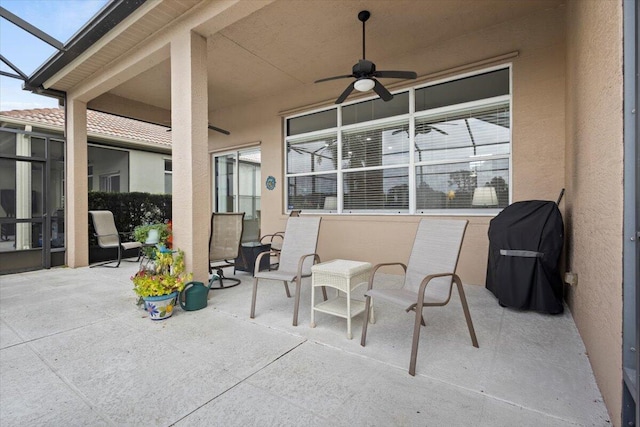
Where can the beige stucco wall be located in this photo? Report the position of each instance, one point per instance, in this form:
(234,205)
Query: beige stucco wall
(538,139)
(594,178)
(146,171)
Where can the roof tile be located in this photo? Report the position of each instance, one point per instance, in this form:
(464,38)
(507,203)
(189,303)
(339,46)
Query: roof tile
(98,123)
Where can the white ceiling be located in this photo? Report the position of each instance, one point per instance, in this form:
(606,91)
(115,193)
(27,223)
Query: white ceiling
(289,44)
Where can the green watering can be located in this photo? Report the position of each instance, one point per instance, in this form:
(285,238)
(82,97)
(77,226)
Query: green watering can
(194,295)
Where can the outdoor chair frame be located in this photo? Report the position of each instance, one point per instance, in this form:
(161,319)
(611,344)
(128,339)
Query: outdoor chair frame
(108,237)
(428,280)
(225,238)
(297,256)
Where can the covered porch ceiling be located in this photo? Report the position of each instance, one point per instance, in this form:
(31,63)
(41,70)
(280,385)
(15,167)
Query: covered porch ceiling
(282,46)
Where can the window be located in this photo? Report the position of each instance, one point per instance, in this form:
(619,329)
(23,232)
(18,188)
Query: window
(168,176)
(108,169)
(449,151)
(90,177)
(110,183)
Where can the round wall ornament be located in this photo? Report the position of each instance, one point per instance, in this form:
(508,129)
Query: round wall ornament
(270,183)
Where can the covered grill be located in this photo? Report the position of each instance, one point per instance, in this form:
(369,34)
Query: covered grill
(525,244)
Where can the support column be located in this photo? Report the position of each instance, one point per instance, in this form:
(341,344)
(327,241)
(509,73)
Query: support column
(76,197)
(189,139)
(24,188)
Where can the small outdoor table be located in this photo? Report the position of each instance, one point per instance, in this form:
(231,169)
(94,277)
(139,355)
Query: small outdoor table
(344,276)
(247,259)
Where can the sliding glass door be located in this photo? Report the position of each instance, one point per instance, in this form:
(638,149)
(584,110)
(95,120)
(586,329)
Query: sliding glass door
(236,187)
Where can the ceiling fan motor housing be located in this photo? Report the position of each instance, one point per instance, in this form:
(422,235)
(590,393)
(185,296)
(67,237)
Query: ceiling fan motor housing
(363,68)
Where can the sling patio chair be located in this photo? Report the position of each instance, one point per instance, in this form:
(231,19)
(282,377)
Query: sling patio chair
(297,255)
(275,240)
(428,279)
(224,245)
(108,237)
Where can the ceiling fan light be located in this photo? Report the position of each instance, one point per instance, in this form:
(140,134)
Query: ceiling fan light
(364,85)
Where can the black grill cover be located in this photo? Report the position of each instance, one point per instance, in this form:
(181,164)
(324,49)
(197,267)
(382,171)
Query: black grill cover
(525,244)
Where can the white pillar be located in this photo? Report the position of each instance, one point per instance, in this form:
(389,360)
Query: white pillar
(189,139)
(76,197)
(23,191)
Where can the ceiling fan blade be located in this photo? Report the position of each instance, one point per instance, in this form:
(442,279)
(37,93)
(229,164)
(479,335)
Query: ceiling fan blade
(382,91)
(396,74)
(212,127)
(334,78)
(346,93)
(217,129)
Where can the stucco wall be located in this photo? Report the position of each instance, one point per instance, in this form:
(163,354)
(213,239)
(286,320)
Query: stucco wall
(594,178)
(538,139)
(146,171)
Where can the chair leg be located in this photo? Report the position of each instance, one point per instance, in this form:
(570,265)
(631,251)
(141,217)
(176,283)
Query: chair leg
(324,293)
(119,255)
(297,303)
(365,321)
(253,298)
(414,344)
(467,314)
(106,263)
(286,289)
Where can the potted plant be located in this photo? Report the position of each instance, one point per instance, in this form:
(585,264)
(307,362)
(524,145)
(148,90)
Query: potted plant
(159,283)
(152,234)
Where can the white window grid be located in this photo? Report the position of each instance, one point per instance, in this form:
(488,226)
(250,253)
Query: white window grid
(412,117)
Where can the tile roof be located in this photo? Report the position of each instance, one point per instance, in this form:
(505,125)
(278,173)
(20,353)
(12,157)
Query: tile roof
(98,124)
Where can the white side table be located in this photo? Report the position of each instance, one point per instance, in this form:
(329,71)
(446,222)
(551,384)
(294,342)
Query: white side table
(344,276)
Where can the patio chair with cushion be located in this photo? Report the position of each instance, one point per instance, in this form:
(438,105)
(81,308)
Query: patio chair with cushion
(225,238)
(297,255)
(429,277)
(108,237)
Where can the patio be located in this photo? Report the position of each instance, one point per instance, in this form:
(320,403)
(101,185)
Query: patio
(75,350)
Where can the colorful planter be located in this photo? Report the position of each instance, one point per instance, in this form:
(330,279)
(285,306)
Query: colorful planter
(160,307)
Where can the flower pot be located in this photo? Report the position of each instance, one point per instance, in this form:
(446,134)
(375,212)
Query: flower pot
(160,307)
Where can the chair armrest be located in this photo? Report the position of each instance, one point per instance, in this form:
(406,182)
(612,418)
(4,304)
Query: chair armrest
(303,258)
(377,266)
(279,234)
(256,266)
(423,286)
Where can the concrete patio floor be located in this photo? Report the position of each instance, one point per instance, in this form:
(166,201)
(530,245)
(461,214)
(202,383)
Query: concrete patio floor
(76,351)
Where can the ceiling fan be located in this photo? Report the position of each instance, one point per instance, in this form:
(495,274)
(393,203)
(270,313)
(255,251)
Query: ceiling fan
(212,127)
(365,72)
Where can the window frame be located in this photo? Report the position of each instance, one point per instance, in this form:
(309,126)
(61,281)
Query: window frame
(412,116)
(168,173)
